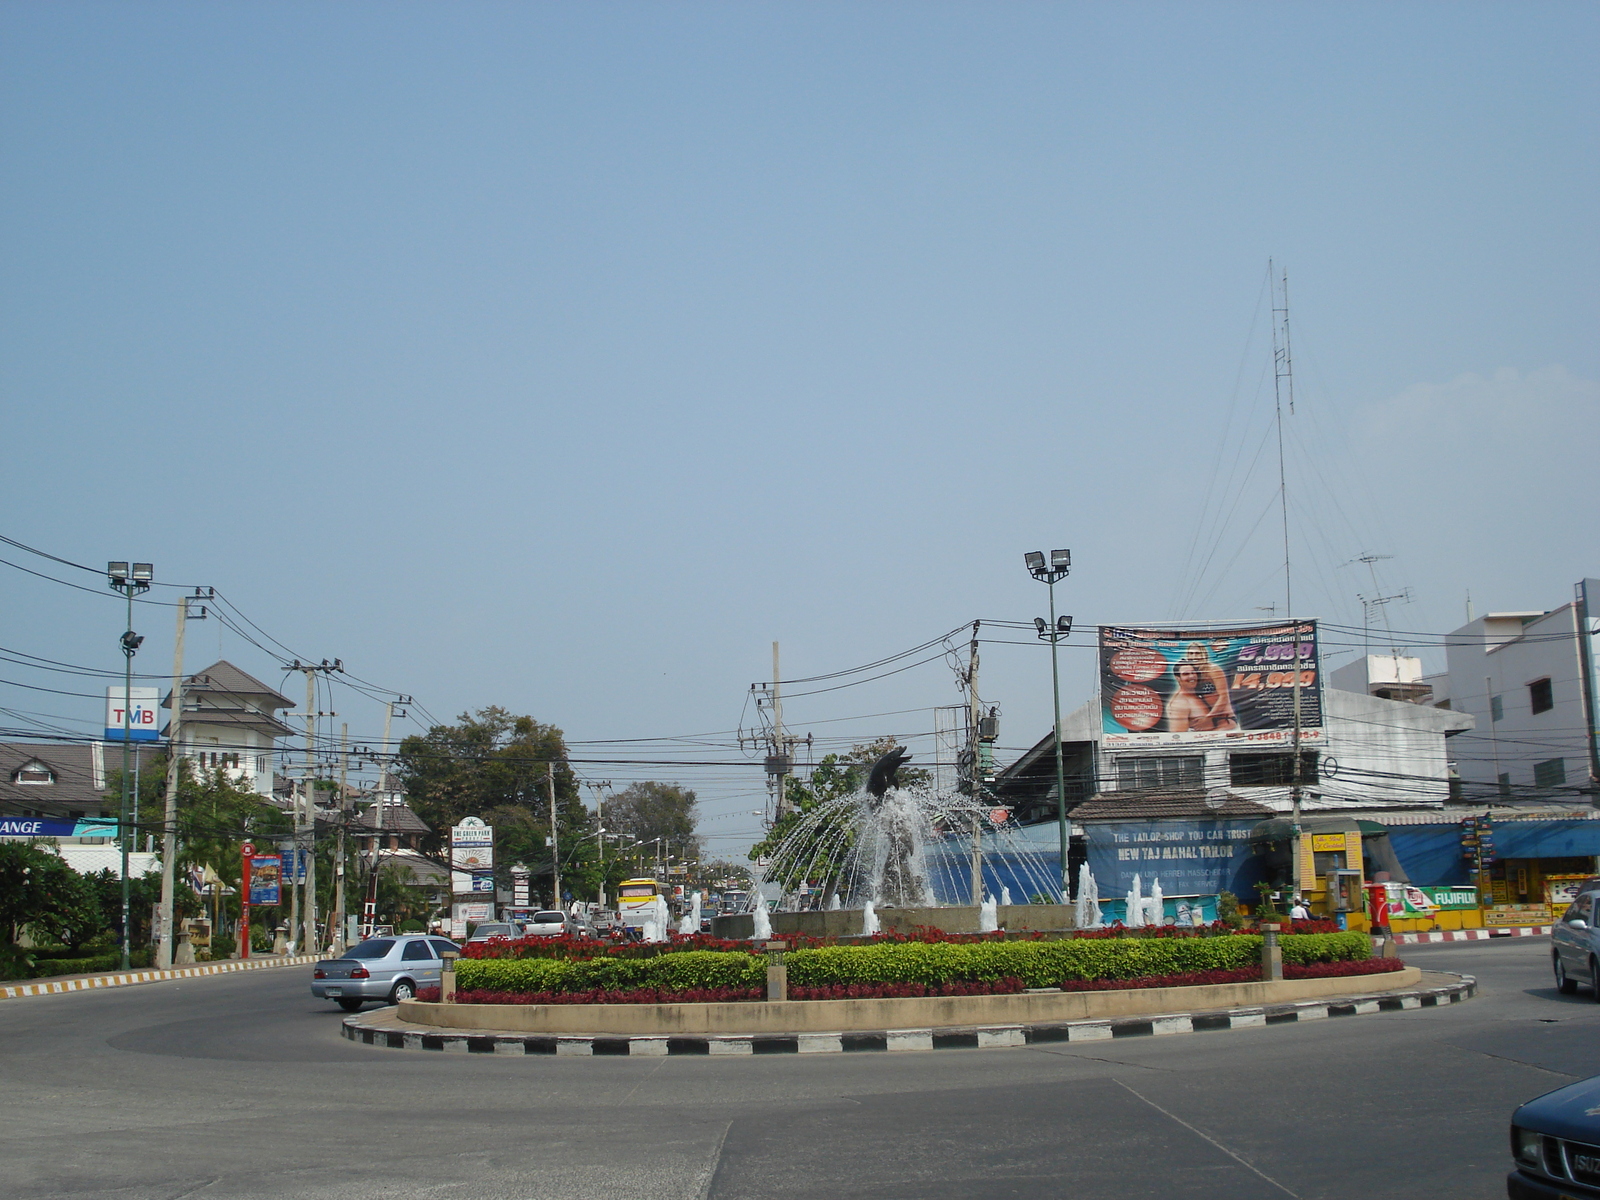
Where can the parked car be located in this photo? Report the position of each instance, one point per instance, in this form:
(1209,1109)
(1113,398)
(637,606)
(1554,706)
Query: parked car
(1575,944)
(494,929)
(604,921)
(548,923)
(391,969)
(1555,1143)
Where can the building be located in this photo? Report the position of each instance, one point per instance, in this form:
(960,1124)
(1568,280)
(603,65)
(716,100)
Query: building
(59,790)
(230,724)
(1529,680)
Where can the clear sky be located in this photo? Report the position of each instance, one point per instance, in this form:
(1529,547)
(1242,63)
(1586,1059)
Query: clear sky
(564,356)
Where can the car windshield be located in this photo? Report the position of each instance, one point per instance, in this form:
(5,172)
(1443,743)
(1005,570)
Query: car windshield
(487,931)
(548,918)
(379,948)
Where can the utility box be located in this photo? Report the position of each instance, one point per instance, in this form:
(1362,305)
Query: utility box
(1344,891)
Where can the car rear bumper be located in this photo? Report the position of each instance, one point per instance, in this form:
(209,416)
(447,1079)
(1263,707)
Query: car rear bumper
(337,989)
(1530,1187)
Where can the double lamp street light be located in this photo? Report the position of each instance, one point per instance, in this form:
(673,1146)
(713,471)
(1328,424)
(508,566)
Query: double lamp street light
(1057,568)
(130,581)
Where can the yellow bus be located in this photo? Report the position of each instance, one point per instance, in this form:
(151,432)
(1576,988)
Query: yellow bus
(635,898)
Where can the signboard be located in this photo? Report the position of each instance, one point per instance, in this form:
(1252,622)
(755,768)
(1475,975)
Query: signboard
(1505,916)
(294,863)
(472,846)
(266,879)
(103,827)
(1561,890)
(143,705)
(1451,897)
(1199,857)
(1209,686)
(1327,841)
(464,883)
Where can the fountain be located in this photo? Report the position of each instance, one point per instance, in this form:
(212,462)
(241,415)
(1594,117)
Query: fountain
(905,850)
(988,917)
(690,923)
(1088,900)
(1134,917)
(763,921)
(1156,905)
(869,920)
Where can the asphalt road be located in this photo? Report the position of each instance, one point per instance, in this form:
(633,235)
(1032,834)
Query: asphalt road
(240,1086)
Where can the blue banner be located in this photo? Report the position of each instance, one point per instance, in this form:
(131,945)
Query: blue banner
(101,827)
(266,875)
(1190,857)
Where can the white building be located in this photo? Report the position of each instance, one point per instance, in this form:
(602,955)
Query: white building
(229,722)
(1522,676)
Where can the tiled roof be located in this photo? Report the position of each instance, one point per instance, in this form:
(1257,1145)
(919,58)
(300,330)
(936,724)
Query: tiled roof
(397,818)
(223,676)
(1157,804)
(79,782)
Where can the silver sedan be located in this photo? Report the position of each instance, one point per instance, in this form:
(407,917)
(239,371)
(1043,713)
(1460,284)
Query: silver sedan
(1575,944)
(390,969)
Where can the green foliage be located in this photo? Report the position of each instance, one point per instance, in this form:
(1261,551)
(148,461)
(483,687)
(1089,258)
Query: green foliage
(675,972)
(649,810)
(491,764)
(1036,963)
(1228,910)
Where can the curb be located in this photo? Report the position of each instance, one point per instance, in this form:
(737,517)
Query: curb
(129,978)
(423,1037)
(1470,935)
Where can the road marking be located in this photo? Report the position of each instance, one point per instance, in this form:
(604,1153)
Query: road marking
(1202,1133)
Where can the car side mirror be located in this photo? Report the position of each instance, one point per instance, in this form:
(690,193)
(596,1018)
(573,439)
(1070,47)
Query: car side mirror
(1578,923)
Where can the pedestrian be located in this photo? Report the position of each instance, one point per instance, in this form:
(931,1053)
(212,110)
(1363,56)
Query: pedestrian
(1299,912)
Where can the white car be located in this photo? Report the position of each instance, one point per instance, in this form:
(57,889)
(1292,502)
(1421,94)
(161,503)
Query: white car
(549,923)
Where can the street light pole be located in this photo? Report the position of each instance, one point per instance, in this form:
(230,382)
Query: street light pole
(129,583)
(1060,565)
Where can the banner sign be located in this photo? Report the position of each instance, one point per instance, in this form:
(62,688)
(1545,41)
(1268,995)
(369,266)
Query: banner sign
(472,849)
(99,827)
(294,863)
(266,879)
(1451,897)
(1190,857)
(143,704)
(466,882)
(1209,686)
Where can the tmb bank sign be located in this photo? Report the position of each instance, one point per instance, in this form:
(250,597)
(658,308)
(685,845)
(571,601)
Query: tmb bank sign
(143,706)
(1190,858)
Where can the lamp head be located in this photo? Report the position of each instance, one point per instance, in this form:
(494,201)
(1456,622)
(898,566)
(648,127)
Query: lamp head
(117,572)
(143,572)
(1060,560)
(1063,625)
(1041,625)
(1035,561)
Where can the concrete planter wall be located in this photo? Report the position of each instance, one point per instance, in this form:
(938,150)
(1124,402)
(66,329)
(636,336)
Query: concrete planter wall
(1014,918)
(827,1016)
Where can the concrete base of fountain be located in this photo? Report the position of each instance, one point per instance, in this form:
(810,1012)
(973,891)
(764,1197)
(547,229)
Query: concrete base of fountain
(846,922)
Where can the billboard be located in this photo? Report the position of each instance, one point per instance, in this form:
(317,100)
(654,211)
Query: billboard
(143,705)
(471,856)
(266,879)
(1198,857)
(1209,686)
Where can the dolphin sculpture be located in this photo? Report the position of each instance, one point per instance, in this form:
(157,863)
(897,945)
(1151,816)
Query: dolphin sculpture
(885,772)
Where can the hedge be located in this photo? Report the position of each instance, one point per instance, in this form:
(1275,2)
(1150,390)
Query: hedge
(668,972)
(1048,964)
(1036,964)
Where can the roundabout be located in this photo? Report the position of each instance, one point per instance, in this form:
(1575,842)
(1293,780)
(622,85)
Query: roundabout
(822,1027)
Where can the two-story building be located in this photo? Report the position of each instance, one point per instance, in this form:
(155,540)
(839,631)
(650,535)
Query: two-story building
(230,723)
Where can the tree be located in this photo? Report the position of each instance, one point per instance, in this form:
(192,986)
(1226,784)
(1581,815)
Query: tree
(39,891)
(650,810)
(491,765)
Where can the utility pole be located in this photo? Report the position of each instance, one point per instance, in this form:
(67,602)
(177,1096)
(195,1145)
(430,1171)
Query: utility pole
(307,833)
(781,806)
(337,941)
(130,583)
(1283,388)
(555,849)
(975,778)
(169,822)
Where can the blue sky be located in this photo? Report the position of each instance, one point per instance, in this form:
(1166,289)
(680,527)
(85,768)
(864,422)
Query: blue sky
(565,356)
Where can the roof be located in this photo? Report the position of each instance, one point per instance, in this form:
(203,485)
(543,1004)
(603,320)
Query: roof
(424,871)
(79,771)
(397,818)
(222,676)
(1159,805)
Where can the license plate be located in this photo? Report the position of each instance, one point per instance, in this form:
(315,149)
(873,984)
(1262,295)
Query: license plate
(334,993)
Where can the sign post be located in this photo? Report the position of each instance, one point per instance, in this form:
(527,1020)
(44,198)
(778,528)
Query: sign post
(471,874)
(247,854)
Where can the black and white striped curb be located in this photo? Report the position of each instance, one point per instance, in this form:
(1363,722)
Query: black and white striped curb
(84,983)
(371,1033)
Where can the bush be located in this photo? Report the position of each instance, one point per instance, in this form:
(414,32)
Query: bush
(633,996)
(667,972)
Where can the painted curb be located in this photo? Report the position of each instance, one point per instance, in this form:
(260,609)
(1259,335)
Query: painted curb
(129,978)
(368,1032)
(1470,935)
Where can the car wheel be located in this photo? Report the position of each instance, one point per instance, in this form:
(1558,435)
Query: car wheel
(351,1004)
(1564,985)
(404,990)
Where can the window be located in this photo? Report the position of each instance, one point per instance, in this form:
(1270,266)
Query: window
(1270,770)
(33,773)
(377,948)
(1552,772)
(1582,908)
(1497,708)
(417,950)
(1541,696)
(1160,771)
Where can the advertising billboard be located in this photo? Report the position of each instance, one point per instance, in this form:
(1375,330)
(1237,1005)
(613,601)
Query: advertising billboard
(1190,858)
(143,705)
(1209,686)
(266,879)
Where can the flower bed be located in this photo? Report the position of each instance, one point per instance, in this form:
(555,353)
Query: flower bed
(976,966)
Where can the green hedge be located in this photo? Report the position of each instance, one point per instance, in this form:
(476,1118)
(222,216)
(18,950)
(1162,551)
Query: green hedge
(674,972)
(1037,964)
(79,964)
(1046,964)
